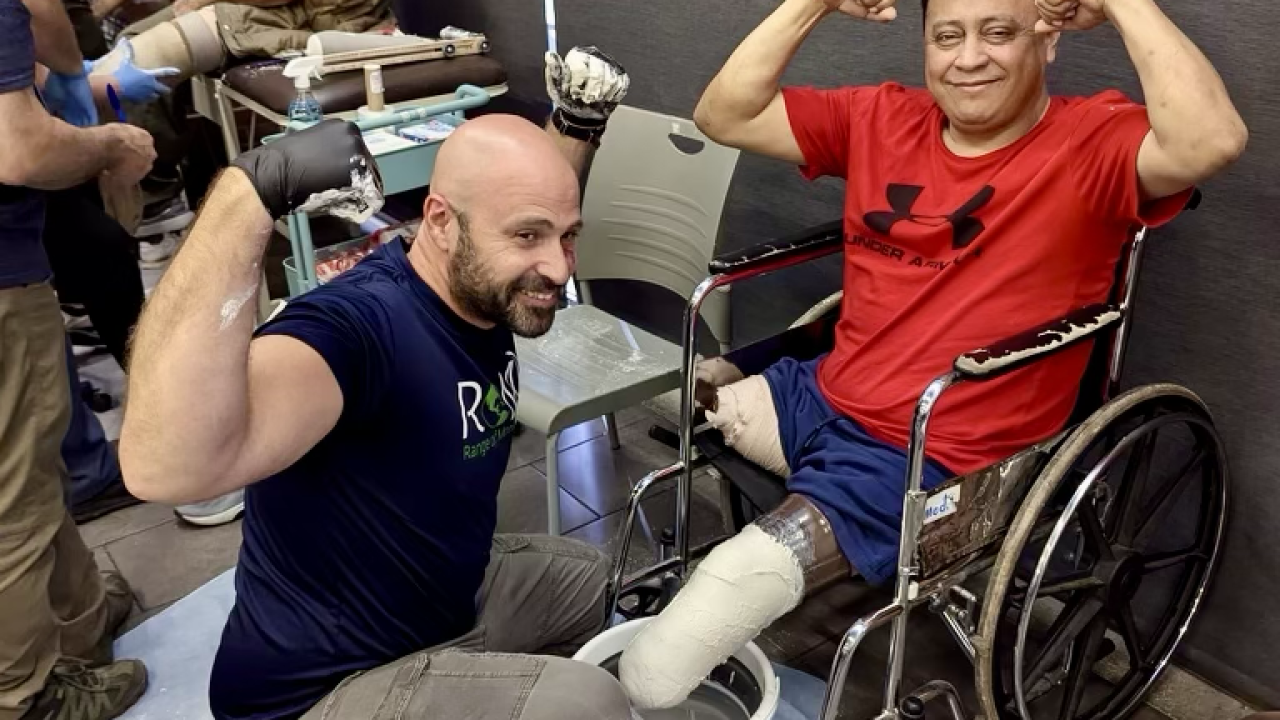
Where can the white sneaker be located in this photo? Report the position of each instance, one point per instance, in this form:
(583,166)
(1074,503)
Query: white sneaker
(155,252)
(218,511)
(172,216)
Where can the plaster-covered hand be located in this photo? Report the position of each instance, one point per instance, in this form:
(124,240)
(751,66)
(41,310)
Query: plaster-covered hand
(137,85)
(1058,15)
(70,97)
(586,84)
(324,168)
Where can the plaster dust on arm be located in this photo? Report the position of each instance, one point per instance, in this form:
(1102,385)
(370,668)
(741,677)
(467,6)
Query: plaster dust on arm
(232,306)
(742,587)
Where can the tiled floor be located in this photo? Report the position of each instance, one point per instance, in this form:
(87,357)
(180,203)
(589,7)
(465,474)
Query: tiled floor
(164,559)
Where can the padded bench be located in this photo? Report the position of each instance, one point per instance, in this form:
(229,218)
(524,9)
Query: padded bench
(260,86)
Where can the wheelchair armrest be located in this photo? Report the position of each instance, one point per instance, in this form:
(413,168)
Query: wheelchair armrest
(774,255)
(1024,348)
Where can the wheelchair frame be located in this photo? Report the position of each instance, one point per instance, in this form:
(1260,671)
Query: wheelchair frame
(1004,486)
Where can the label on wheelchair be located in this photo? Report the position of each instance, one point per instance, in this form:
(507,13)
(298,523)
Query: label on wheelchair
(942,504)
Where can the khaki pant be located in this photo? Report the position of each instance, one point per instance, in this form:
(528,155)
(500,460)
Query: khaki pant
(541,595)
(52,601)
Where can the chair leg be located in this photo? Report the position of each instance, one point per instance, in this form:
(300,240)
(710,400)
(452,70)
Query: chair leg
(611,425)
(553,485)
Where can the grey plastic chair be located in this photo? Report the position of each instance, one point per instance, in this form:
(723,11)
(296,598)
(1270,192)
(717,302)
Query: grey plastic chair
(651,212)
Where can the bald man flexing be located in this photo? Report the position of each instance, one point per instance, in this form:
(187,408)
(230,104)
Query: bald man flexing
(371,423)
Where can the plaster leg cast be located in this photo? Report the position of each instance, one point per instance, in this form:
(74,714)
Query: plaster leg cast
(742,587)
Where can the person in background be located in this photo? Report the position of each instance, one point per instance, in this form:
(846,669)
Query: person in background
(59,614)
(94,265)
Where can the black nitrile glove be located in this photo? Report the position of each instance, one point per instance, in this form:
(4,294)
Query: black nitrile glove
(324,168)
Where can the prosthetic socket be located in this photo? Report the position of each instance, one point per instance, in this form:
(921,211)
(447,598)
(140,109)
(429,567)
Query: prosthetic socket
(741,588)
(189,42)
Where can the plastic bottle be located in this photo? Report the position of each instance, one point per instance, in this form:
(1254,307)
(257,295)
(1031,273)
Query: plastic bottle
(304,110)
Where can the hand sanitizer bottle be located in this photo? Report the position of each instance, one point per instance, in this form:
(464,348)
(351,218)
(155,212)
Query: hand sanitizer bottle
(305,109)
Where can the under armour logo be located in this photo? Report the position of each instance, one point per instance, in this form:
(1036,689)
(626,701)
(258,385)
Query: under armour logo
(902,198)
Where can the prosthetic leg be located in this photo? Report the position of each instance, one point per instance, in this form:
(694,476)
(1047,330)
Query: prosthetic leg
(190,43)
(741,588)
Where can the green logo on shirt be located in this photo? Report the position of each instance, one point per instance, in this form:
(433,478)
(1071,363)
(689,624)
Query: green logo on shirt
(488,413)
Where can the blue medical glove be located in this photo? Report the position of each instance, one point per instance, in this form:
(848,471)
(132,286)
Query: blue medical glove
(135,84)
(69,97)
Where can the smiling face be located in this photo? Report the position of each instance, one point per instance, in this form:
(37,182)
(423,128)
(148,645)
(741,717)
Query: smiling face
(500,225)
(984,64)
(509,267)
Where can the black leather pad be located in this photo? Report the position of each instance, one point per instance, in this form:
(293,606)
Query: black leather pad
(1023,348)
(264,82)
(828,237)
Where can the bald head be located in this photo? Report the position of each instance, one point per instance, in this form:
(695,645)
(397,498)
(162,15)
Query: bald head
(494,154)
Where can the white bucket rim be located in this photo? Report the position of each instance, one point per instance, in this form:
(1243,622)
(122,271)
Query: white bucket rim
(616,639)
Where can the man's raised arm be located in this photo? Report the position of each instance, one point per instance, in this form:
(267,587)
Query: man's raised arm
(585,87)
(207,412)
(743,107)
(1196,131)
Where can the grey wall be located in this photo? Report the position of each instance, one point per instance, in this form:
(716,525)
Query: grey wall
(1207,314)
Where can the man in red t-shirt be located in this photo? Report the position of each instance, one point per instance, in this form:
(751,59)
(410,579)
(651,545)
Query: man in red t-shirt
(975,208)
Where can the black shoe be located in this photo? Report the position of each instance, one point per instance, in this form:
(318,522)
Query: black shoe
(115,497)
(76,692)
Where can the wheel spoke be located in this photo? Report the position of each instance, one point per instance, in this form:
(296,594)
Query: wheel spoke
(1124,513)
(1076,616)
(1082,580)
(1094,536)
(1154,563)
(1081,665)
(1132,640)
(1166,491)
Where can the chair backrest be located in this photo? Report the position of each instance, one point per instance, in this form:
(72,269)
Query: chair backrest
(653,205)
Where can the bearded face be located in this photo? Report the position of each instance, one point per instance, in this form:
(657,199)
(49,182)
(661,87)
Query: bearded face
(526,303)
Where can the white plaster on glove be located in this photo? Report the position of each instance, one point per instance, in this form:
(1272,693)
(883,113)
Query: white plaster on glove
(742,587)
(745,415)
(586,83)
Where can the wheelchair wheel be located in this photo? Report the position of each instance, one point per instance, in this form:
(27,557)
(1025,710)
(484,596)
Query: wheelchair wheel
(1105,563)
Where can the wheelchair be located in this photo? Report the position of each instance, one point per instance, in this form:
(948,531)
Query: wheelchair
(1097,545)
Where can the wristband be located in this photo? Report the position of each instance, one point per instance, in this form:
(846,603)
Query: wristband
(589,131)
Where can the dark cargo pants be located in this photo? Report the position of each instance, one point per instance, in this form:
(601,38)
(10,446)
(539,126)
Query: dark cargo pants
(541,595)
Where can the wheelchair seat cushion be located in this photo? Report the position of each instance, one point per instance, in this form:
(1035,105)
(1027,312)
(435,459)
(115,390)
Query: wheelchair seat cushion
(264,82)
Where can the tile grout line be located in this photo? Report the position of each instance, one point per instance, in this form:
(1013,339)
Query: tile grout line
(139,531)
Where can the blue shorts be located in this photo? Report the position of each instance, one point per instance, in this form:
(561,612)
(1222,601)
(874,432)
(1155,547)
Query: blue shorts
(857,481)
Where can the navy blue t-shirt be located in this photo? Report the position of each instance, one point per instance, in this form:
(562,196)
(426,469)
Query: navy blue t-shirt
(374,545)
(22,258)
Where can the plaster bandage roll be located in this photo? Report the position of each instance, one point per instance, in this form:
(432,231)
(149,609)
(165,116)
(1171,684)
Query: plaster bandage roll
(742,587)
(745,415)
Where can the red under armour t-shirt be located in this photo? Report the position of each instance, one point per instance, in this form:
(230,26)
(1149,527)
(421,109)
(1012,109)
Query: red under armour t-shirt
(944,255)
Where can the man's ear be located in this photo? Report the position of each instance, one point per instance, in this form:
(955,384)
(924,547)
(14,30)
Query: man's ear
(435,222)
(1051,46)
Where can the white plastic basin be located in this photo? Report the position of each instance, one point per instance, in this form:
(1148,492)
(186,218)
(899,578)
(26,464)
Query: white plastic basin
(613,641)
